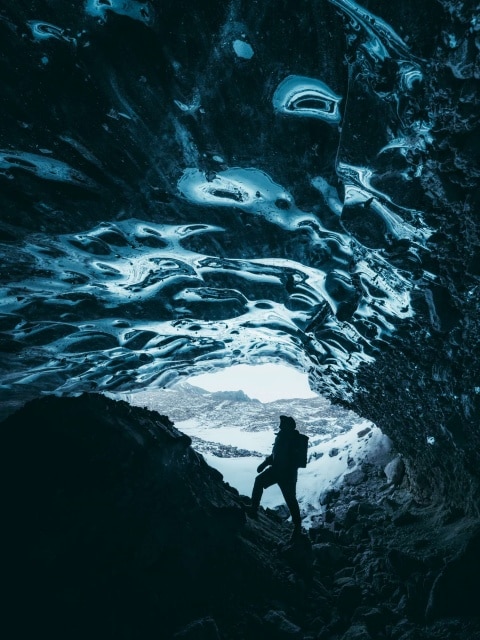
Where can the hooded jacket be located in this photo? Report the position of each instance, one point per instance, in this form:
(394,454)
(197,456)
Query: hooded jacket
(282,457)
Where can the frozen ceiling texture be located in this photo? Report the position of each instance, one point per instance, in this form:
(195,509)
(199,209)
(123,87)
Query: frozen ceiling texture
(188,185)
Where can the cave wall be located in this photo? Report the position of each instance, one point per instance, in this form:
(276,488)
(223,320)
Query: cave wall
(424,388)
(167,206)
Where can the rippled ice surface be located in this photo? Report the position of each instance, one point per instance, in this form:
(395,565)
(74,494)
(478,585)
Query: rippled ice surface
(238,205)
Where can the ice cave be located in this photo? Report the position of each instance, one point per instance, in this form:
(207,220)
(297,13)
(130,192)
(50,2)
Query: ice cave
(193,185)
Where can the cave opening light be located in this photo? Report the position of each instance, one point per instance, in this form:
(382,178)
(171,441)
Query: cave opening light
(265,382)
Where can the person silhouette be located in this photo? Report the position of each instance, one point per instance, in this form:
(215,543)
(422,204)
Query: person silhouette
(280,467)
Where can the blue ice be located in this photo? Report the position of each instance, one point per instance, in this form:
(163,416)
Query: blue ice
(307,97)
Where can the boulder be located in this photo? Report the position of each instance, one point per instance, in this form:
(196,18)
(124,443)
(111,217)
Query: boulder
(395,471)
(357,632)
(203,629)
(278,623)
(328,556)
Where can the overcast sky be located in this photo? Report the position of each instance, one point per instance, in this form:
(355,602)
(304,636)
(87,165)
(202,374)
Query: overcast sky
(265,382)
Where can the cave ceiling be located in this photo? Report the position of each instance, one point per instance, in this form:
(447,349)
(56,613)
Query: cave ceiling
(190,185)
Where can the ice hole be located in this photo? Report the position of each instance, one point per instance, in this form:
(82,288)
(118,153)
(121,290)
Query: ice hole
(232,416)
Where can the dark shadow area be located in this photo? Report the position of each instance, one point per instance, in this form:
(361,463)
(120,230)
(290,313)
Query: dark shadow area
(115,528)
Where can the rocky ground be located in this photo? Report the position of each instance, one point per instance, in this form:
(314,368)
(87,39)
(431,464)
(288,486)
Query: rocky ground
(115,527)
(379,565)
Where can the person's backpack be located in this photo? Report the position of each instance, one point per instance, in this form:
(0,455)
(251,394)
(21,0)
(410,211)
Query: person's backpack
(301,449)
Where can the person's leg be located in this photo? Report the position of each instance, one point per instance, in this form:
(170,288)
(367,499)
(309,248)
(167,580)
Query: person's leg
(262,481)
(288,488)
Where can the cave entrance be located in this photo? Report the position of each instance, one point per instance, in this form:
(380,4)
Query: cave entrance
(239,430)
(232,416)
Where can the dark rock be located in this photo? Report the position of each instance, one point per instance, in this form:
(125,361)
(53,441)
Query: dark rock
(328,556)
(374,619)
(395,471)
(354,478)
(384,583)
(357,632)
(114,522)
(277,623)
(329,515)
(329,496)
(363,432)
(404,518)
(351,515)
(346,572)
(203,629)
(322,534)
(404,564)
(454,592)
(300,556)
(349,598)
(283,512)
(367,509)
(357,533)
(406,630)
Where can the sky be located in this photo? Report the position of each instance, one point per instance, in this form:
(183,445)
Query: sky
(264,382)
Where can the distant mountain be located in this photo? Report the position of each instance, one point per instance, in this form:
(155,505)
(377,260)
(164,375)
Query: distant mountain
(190,389)
(186,387)
(233,396)
(234,408)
